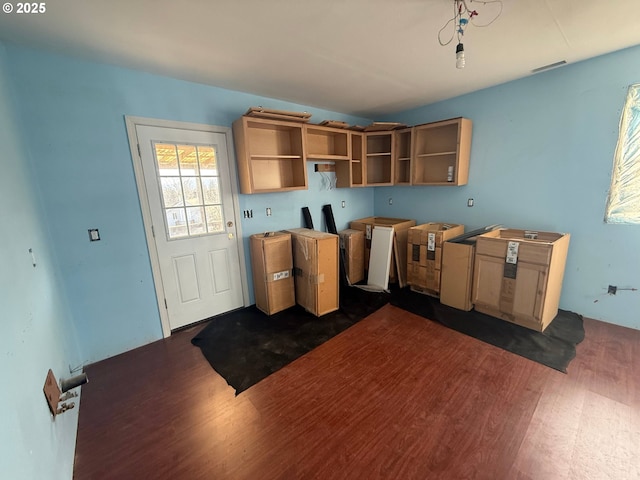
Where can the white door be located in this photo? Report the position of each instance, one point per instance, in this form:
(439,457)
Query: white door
(188,185)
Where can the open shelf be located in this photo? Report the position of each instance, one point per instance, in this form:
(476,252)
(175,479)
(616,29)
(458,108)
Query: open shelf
(379,170)
(357,160)
(403,171)
(435,169)
(326,143)
(268,157)
(278,174)
(435,154)
(270,154)
(402,139)
(379,158)
(441,152)
(350,173)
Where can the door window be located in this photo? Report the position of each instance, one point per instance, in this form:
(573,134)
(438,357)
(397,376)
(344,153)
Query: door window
(189,180)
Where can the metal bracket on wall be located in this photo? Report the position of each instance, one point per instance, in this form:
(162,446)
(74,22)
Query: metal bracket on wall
(54,395)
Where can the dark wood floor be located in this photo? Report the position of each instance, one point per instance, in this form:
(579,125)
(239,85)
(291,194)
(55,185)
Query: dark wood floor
(394,397)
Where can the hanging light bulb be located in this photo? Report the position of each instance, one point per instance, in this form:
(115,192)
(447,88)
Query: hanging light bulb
(462,18)
(460,56)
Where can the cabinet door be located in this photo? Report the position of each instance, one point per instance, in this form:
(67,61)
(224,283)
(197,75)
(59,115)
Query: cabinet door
(487,281)
(522,297)
(530,291)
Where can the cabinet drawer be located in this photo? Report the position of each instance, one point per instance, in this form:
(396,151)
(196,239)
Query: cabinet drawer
(528,251)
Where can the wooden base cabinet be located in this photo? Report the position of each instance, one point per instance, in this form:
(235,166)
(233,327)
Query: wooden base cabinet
(424,255)
(518,275)
(401,226)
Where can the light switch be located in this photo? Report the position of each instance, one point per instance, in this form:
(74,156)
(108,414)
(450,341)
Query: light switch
(94,235)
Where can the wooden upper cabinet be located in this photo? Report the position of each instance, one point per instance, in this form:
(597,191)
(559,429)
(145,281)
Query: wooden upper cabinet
(271,155)
(379,158)
(351,173)
(441,152)
(402,152)
(327,143)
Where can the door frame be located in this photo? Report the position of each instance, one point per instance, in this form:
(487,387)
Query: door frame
(131,123)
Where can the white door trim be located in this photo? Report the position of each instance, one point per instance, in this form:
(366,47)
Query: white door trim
(132,123)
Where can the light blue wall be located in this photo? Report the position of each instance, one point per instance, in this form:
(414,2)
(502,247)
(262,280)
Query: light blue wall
(74,112)
(37,330)
(541,158)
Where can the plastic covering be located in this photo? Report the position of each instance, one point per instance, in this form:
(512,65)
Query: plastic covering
(623,204)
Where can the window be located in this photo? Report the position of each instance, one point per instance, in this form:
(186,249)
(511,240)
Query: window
(190,186)
(623,204)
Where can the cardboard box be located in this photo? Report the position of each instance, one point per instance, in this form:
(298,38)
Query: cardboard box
(398,270)
(352,247)
(518,275)
(272,265)
(315,262)
(456,276)
(424,260)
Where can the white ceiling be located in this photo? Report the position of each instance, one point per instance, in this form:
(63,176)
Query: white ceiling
(364,57)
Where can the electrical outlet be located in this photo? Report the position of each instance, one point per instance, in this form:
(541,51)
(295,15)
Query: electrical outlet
(470,202)
(268,212)
(612,290)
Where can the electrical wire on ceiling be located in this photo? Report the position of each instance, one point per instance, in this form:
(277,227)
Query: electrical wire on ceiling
(463,16)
